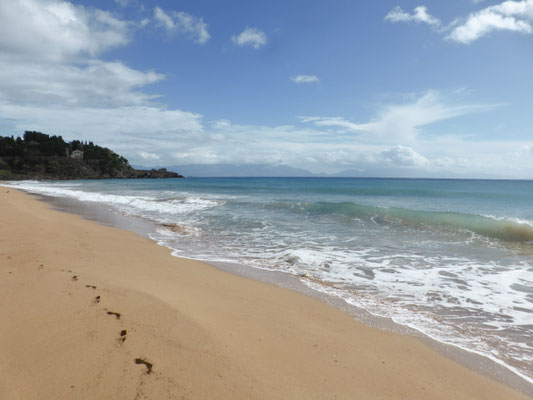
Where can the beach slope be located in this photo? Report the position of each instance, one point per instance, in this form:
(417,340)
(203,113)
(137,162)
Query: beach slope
(92,312)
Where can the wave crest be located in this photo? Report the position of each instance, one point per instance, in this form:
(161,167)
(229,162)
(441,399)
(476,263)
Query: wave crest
(498,228)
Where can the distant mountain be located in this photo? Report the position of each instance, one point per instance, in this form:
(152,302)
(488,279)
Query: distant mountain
(283,171)
(377,173)
(40,156)
(408,173)
(240,170)
(280,171)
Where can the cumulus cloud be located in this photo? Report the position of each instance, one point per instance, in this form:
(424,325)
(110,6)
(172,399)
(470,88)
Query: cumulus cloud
(96,83)
(420,15)
(182,23)
(221,124)
(148,156)
(515,16)
(149,121)
(305,78)
(403,156)
(150,135)
(57,30)
(250,37)
(48,56)
(510,15)
(51,79)
(312,149)
(127,130)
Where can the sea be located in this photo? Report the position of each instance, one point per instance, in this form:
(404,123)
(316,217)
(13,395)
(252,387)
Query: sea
(452,259)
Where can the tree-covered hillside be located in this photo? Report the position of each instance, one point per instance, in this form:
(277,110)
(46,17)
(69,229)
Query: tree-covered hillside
(40,156)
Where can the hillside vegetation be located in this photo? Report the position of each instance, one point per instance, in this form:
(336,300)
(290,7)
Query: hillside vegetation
(40,156)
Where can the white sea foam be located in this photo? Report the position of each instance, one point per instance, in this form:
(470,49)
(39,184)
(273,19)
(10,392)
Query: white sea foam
(135,205)
(429,327)
(440,300)
(459,288)
(515,220)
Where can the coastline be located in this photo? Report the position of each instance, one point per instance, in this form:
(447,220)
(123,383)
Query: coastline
(479,362)
(208,333)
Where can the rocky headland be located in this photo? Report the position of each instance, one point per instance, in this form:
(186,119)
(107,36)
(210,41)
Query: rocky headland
(40,156)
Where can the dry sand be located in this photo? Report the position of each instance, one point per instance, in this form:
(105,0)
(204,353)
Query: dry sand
(206,333)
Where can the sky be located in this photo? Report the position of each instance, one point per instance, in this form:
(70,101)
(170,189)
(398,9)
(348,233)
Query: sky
(378,88)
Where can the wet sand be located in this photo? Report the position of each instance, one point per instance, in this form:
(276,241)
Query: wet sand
(90,311)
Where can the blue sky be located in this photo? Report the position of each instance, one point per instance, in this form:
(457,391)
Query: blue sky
(402,88)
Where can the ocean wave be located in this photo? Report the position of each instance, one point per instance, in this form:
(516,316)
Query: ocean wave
(508,229)
(425,269)
(137,205)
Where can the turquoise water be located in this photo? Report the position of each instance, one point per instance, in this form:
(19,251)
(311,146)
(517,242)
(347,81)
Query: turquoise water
(450,258)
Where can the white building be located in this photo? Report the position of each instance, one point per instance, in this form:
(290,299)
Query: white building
(77,154)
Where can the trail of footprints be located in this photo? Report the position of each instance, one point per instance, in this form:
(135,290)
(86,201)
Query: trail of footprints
(123,333)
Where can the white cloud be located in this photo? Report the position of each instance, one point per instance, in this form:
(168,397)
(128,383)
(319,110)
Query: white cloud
(52,80)
(182,23)
(305,79)
(127,130)
(94,84)
(510,15)
(403,156)
(47,56)
(250,37)
(221,124)
(149,121)
(314,150)
(527,148)
(401,121)
(515,16)
(420,15)
(151,135)
(148,156)
(333,121)
(57,30)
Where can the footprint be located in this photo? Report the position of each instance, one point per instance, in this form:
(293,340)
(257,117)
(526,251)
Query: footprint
(97,299)
(122,337)
(147,364)
(116,314)
(40,266)
(90,286)
(75,278)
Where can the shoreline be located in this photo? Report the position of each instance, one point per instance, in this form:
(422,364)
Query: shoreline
(477,362)
(326,312)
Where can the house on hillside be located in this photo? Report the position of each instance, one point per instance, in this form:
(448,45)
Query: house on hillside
(77,155)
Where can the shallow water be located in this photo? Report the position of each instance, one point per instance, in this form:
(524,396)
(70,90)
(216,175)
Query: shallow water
(450,258)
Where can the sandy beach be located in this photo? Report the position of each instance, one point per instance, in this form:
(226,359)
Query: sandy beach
(93,312)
